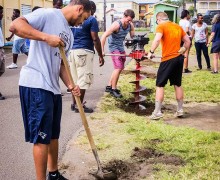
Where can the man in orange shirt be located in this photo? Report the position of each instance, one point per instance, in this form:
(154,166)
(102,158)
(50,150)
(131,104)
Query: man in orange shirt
(170,35)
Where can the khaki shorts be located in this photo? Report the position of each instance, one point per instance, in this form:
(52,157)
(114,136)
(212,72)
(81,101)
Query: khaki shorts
(2,62)
(81,67)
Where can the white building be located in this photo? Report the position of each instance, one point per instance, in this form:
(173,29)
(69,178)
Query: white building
(115,8)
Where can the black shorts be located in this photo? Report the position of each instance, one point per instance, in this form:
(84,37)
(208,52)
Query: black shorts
(215,47)
(170,70)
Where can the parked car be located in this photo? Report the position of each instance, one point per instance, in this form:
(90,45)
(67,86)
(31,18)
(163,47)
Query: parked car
(207,18)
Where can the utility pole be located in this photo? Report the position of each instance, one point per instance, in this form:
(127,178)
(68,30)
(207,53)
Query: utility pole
(104,17)
(195,8)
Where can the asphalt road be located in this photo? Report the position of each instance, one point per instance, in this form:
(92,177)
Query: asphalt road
(16,162)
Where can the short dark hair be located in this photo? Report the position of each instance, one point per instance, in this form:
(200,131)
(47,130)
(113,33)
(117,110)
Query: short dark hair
(85,3)
(199,14)
(1,8)
(93,5)
(35,8)
(129,12)
(17,11)
(184,14)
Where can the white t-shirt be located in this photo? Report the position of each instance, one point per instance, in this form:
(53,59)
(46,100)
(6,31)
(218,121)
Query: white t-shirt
(200,35)
(1,38)
(43,64)
(184,24)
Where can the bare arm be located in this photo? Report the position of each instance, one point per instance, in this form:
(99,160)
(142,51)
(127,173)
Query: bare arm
(21,28)
(186,41)
(98,47)
(113,28)
(132,30)
(193,33)
(211,38)
(154,45)
(207,35)
(156,42)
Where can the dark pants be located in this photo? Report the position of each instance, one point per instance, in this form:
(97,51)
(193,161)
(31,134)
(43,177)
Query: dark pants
(201,47)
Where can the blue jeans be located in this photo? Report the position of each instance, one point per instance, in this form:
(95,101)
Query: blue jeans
(201,47)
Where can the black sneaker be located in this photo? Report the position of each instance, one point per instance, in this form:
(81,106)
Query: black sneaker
(199,69)
(86,109)
(116,93)
(2,97)
(108,89)
(73,107)
(214,72)
(187,71)
(68,91)
(56,177)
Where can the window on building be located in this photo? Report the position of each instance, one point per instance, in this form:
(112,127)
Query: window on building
(112,5)
(25,9)
(203,5)
(212,5)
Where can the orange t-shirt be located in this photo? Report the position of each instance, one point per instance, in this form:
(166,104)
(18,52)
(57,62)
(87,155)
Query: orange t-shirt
(172,35)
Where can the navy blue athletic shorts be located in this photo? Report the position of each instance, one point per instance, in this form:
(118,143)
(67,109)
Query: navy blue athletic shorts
(41,112)
(215,47)
(170,70)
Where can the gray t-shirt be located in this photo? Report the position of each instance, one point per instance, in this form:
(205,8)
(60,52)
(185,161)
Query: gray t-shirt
(43,64)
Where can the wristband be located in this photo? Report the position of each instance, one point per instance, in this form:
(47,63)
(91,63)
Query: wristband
(151,52)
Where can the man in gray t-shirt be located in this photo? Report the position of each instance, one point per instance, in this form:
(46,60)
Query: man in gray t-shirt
(39,88)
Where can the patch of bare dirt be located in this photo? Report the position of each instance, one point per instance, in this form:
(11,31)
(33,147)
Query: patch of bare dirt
(140,165)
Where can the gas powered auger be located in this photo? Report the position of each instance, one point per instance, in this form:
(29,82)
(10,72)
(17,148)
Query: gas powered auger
(138,53)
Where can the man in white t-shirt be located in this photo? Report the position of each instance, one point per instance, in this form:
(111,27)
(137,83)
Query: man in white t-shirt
(39,88)
(185,24)
(200,35)
(19,44)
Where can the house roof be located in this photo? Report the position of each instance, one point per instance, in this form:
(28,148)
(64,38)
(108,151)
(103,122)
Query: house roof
(109,1)
(147,1)
(166,4)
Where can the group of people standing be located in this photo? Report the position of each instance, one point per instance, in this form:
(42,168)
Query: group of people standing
(199,32)
(39,89)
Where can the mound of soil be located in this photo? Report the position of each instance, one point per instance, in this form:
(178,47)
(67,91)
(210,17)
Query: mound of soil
(141,164)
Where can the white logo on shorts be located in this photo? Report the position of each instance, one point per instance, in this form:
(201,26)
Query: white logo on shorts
(42,134)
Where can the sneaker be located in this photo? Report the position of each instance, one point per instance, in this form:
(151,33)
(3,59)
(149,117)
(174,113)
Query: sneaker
(108,89)
(73,107)
(116,93)
(57,177)
(68,91)
(209,69)
(86,109)
(187,71)
(214,72)
(155,116)
(2,97)
(199,69)
(179,113)
(12,66)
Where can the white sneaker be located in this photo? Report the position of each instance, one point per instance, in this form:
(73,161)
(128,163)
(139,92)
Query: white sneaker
(155,116)
(12,66)
(179,113)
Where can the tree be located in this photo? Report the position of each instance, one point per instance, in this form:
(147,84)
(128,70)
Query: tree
(191,10)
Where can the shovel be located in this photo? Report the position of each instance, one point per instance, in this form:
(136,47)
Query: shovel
(99,173)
